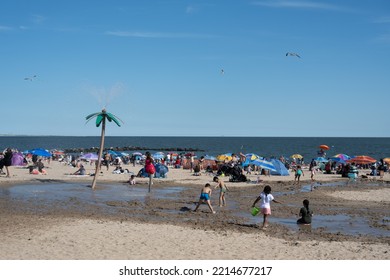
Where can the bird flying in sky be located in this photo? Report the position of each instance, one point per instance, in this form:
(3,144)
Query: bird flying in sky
(292,54)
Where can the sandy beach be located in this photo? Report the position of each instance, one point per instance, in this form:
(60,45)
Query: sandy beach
(165,228)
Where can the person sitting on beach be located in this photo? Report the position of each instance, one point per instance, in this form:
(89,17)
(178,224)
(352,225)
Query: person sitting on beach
(80,171)
(205,195)
(197,170)
(132,180)
(178,163)
(266,197)
(305,213)
(223,189)
(40,167)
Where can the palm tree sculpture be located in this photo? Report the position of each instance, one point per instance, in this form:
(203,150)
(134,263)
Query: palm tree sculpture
(101,118)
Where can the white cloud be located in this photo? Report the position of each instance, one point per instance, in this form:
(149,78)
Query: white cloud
(383,20)
(297,5)
(5,28)
(154,34)
(384,38)
(190,9)
(38,19)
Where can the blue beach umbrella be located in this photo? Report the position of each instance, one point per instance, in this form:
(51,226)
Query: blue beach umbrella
(249,158)
(321,159)
(207,157)
(39,152)
(264,164)
(158,155)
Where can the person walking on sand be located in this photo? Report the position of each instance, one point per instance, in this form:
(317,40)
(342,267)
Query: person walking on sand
(149,167)
(222,191)
(305,213)
(266,197)
(298,173)
(205,195)
(8,161)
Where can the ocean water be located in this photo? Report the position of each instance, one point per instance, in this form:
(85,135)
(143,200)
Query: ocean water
(264,146)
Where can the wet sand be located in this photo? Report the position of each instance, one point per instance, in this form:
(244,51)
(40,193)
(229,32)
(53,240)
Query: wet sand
(57,216)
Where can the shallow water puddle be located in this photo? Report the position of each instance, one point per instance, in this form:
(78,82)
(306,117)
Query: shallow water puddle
(343,224)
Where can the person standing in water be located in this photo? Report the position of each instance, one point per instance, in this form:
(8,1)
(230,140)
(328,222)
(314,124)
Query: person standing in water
(222,191)
(205,195)
(266,197)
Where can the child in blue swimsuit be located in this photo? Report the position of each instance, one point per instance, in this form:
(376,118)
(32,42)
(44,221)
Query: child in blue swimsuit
(205,195)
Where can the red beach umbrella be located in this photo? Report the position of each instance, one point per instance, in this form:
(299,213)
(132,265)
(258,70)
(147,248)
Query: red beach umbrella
(324,147)
(362,160)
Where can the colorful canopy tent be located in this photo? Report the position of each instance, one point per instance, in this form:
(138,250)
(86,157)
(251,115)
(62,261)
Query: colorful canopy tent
(280,168)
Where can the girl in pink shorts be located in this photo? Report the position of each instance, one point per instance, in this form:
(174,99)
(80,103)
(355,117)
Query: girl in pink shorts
(266,197)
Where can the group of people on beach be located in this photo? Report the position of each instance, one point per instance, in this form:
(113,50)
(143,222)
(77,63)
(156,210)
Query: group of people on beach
(265,198)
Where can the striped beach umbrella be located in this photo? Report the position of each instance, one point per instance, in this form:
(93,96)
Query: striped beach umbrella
(264,164)
(362,160)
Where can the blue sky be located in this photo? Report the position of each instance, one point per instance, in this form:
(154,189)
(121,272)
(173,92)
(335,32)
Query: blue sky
(157,65)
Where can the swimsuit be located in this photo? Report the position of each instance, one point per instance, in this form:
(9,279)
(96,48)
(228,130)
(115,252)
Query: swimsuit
(205,196)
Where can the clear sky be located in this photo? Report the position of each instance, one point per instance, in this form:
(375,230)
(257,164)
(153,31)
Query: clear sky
(196,68)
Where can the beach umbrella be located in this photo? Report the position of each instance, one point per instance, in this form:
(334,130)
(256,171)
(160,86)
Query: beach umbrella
(321,159)
(207,157)
(296,156)
(264,164)
(137,154)
(362,160)
(101,118)
(40,152)
(57,152)
(224,157)
(158,155)
(340,156)
(251,156)
(90,156)
(324,147)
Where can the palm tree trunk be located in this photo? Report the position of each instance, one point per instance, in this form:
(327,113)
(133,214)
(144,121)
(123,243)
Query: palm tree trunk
(100,153)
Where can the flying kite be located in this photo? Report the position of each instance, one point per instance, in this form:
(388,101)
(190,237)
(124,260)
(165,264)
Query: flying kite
(30,78)
(292,54)
(222,71)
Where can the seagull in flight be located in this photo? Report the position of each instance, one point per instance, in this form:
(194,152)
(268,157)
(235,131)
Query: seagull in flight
(292,54)
(30,78)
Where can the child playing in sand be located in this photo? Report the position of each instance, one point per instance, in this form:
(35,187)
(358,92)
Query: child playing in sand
(298,173)
(222,191)
(266,197)
(205,195)
(305,213)
(312,173)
